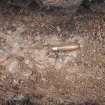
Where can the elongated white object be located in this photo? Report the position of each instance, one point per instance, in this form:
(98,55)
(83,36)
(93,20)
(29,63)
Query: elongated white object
(66,48)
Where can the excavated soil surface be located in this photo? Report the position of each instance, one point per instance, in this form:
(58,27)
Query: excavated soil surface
(29,67)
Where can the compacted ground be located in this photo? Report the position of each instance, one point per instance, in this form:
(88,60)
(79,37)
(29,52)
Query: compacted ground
(29,66)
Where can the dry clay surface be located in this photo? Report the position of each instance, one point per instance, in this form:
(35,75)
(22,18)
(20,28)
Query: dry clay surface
(28,66)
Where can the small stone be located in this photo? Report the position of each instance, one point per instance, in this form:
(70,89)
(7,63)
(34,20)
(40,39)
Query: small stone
(12,67)
(27,61)
(58,29)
